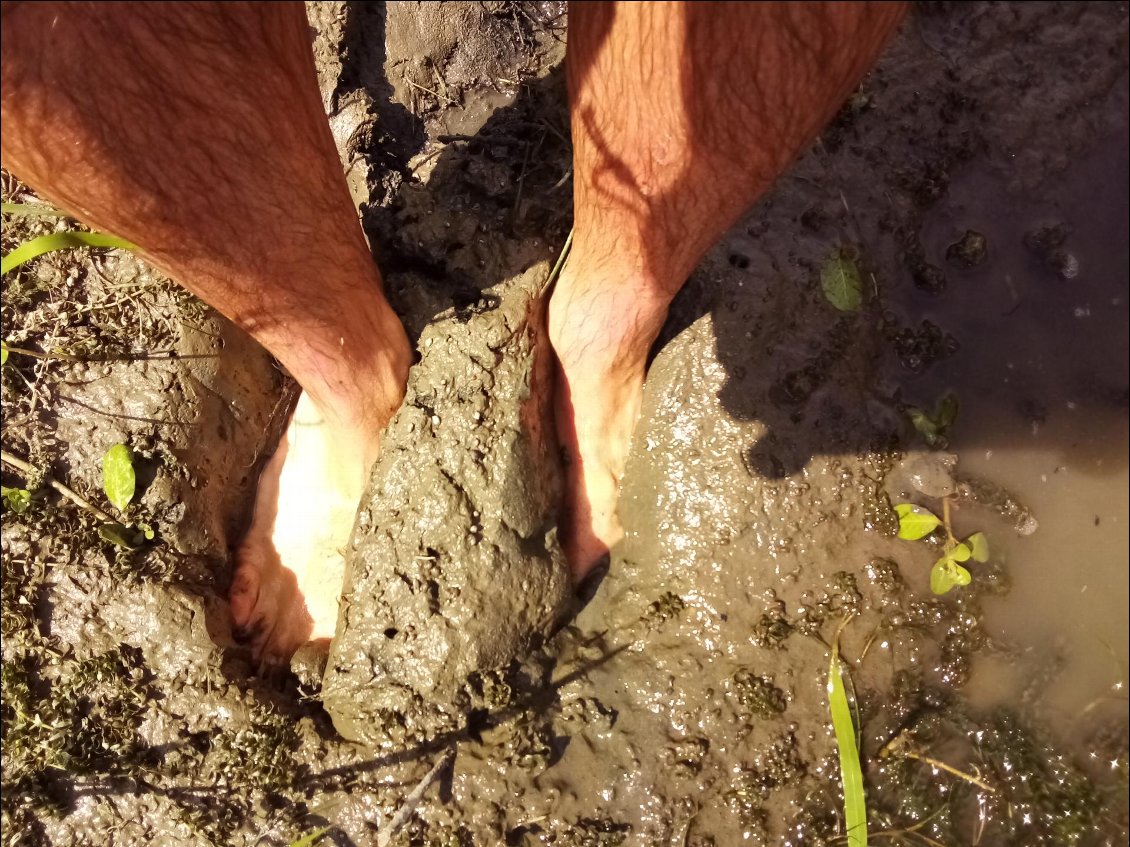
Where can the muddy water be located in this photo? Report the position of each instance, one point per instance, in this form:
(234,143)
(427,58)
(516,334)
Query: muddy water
(1042,376)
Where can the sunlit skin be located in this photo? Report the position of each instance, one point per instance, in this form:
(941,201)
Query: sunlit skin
(196,131)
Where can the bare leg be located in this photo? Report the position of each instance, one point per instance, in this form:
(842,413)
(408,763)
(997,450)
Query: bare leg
(196,131)
(682,115)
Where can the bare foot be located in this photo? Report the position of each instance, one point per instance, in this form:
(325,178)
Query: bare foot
(290,565)
(602,326)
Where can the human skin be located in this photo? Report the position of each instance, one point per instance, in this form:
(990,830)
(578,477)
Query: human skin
(196,131)
(682,115)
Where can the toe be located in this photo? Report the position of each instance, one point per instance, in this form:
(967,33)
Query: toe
(244,593)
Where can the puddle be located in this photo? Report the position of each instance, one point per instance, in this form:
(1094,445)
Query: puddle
(1042,379)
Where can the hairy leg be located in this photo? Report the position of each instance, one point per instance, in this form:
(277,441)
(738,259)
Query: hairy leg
(682,113)
(196,131)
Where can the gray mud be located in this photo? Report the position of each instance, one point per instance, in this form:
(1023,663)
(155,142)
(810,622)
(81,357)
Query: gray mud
(454,568)
(977,178)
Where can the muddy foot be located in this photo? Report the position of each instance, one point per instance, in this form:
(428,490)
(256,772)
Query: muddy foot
(290,565)
(602,334)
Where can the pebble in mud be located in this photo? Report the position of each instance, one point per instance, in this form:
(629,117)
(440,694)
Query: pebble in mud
(458,569)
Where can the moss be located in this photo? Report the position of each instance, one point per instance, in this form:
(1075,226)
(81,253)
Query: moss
(758,694)
(744,802)
(592,832)
(70,719)
(884,574)
(918,349)
(772,629)
(668,606)
(84,722)
(774,766)
(968,251)
(1044,798)
(997,498)
(260,754)
(490,689)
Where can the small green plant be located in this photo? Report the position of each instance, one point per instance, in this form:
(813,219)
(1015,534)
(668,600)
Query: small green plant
(851,773)
(840,281)
(119,482)
(16,499)
(118,477)
(933,426)
(916,522)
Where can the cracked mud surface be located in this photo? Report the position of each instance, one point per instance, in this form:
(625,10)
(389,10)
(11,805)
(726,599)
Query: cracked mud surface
(685,704)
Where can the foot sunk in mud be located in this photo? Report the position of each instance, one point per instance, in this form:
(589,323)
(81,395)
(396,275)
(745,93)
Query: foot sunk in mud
(454,566)
(290,565)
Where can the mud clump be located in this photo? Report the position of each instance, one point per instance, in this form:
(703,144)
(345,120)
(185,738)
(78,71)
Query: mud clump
(968,251)
(1048,244)
(454,567)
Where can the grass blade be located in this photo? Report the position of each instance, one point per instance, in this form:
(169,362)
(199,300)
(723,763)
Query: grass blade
(31,210)
(59,241)
(851,774)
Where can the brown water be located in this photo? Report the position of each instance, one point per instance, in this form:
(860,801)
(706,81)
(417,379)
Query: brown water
(1042,377)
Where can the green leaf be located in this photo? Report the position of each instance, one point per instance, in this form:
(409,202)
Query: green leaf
(933,427)
(310,838)
(945,412)
(3,353)
(16,499)
(851,773)
(978,546)
(118,478)
(958,553)
(118,534)
(925,425)
(840,280)
(915,522)
(146,531)
(59,241)
(947,574)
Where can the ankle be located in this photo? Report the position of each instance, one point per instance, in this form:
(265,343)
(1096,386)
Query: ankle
(361,396)
(358,384)
(604,318)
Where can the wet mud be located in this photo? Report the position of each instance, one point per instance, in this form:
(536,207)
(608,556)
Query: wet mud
(454,568)
(977,179)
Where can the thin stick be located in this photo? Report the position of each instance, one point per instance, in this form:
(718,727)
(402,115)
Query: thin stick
(949,769)
(35,354)
(435,94)
(411,801)
(66,491)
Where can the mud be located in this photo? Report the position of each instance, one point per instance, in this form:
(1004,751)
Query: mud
(686,703)
(454,569)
